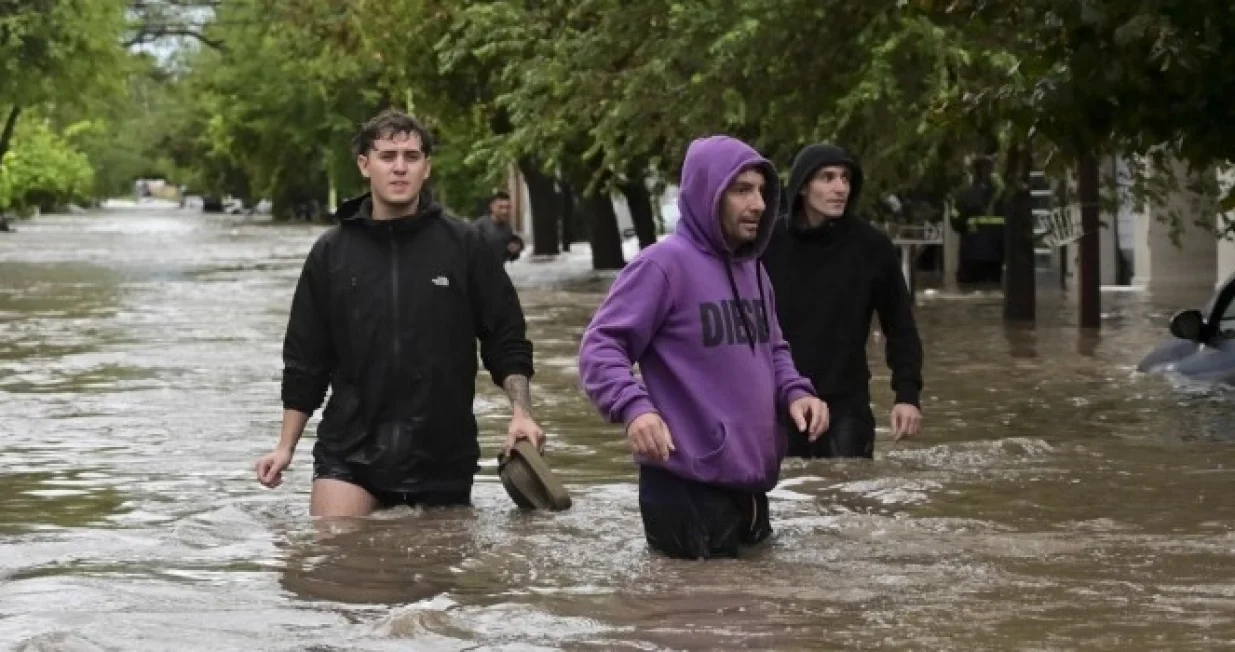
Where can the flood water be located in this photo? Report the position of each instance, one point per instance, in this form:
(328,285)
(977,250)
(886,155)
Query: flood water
(1056,501)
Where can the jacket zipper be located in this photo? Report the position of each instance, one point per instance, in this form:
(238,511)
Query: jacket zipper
(394,323)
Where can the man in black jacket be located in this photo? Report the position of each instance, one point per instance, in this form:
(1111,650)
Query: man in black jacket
(831,272)
(387,312)
(494,227)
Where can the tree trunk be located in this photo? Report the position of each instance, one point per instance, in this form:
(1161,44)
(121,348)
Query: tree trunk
(1090,284)
(639,200)
(568,215)
(603,234)
(10,125)
(546,208)
(1019,282)
(6,137)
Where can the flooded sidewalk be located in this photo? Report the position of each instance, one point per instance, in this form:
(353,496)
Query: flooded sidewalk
(1057,500)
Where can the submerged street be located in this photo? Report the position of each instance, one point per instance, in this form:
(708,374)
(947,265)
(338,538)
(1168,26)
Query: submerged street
(1056,500)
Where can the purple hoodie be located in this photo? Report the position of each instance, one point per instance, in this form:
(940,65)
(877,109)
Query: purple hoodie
(674,310)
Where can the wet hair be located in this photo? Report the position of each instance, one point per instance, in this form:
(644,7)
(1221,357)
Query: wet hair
(387,124)
(501,194)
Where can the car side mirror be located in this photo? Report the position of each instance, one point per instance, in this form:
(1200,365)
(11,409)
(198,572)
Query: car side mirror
(1188,325)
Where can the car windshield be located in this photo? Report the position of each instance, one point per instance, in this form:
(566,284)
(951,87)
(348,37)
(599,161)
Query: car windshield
(1223,309)
(1226,326)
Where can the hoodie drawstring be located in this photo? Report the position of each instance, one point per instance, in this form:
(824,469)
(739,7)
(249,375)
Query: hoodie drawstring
(737,298)
(767,326)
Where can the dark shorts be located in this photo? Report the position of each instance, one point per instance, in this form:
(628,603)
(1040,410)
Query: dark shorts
(327,468)
(850,433)
(691,520)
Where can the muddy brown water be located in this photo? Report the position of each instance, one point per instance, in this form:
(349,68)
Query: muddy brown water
(1057,500)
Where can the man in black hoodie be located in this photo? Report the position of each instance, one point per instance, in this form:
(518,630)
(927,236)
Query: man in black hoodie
(831,272)
(387,312)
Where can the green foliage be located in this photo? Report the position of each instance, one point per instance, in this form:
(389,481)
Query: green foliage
(42,169)
(1144,80)
(630,85)
(54,53)
(284,98)
(122,135)
(60,50)
(597,91)
(461,181)
(272,113)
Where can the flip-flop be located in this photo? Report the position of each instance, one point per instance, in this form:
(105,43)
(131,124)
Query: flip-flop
(529,481)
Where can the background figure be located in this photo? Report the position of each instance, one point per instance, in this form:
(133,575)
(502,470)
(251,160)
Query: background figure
(494,227)
(979,219)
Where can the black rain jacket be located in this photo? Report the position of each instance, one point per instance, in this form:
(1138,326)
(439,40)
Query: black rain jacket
(387,314)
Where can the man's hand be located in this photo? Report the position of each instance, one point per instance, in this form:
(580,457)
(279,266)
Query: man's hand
(271,466)
(810,415)
(906,421)
(523,427)
(649,436)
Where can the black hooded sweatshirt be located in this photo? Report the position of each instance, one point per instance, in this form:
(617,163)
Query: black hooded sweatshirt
(387,314)
(829,281)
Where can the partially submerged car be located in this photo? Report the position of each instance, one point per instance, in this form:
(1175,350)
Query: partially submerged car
(1202,343)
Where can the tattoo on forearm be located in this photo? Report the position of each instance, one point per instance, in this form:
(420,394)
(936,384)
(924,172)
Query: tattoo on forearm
(519,392)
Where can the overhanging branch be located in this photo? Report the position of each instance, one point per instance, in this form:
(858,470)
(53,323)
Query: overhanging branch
(150,34)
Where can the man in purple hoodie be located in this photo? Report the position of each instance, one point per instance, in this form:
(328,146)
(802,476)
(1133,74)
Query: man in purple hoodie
(696,313)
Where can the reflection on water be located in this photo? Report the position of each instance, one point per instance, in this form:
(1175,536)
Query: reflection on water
(45,500)
(383,560)
(1056,501)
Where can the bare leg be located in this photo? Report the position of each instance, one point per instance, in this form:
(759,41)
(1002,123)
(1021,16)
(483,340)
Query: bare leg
(336,498)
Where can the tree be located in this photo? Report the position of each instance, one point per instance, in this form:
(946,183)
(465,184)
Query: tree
(42,170)
(1142,79)
(57,51)
(284,97)
(180,21)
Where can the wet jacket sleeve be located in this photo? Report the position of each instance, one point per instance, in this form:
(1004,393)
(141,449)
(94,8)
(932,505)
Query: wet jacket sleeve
(790,385)
(617,337)
(499,323)
(308,350)
(903,347)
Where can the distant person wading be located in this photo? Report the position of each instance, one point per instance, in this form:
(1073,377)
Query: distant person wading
(495,229)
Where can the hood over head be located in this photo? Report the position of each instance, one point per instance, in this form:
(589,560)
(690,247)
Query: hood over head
(807,163)
(711,165)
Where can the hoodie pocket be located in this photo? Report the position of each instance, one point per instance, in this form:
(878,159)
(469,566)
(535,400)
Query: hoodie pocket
(744,456)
